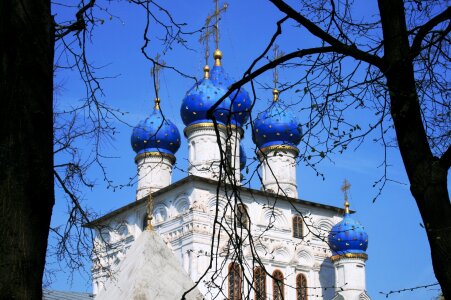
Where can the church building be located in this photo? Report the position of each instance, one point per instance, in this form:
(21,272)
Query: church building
(207,236)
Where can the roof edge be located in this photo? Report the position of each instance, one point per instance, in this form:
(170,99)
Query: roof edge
(194,178)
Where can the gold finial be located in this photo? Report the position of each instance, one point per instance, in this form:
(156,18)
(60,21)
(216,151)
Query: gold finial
(344,188)
(206,72)
(275,93)
(217,56)
(156,69)
(157,103)
(149,213)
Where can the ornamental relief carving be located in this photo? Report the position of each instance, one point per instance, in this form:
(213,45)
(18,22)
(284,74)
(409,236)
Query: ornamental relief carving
(273,217)
(160,213)
(187,229)
(181,204)
(305,258)
(199,205)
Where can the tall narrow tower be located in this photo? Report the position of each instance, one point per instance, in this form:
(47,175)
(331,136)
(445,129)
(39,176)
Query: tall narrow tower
(277,133)
(155,141)
(349,241)
(206,157)
(205,154)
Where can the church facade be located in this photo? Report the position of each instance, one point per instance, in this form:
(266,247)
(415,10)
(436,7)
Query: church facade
(232,241)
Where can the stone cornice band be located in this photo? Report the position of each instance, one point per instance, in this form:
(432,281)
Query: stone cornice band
(266,150)
(155,154)
(197,126)
(337,257)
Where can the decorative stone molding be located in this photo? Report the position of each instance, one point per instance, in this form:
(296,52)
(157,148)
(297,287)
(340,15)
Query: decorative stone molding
(199,205)
(160,213)
(275,217)
(344,256)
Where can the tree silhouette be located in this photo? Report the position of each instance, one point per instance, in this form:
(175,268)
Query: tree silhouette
(396,66)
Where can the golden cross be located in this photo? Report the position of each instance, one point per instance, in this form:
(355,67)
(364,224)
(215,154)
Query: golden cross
(277,54)
(204,38)
(149,213)
(157,67)
(216,14)
(275,74)
(345,188)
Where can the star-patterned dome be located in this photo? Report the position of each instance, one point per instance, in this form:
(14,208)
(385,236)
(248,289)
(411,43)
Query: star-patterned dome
(348,236)
(243,157)
(155,134)
(200,98)
(241,103)
(276,126)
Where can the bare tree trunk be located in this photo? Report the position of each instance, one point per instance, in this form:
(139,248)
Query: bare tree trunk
(427,174)
(427,177)
(26,145)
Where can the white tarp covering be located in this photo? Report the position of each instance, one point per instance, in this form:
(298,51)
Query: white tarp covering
(149,271)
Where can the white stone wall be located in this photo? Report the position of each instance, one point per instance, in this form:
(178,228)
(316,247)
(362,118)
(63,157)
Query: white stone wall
(154,173)
(278,171)
(350,277)
(204,154)
(184,218)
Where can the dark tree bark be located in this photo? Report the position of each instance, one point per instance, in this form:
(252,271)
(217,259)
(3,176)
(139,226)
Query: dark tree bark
(427,174)
(26,145)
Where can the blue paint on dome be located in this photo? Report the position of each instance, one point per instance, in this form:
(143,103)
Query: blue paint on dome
(243,157)
(241,102)
(155,134)
(348,236)
(276,126)
(199,99)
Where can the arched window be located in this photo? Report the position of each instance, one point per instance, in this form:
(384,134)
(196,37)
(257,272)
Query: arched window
(260,283)
(297,227)
(234,281)
(301,287)
(242,218)
(278,292)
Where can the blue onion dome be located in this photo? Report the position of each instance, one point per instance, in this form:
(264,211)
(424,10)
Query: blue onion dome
(276,126)
(243,157)
(348,236)
(155,134)
(200,98)
(241,102)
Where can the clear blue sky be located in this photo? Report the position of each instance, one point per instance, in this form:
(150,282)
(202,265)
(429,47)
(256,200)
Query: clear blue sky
(399,255)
